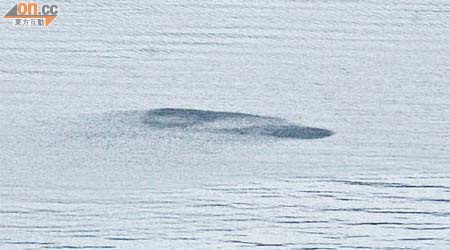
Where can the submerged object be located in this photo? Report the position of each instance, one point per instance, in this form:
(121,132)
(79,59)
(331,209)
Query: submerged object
(230,123)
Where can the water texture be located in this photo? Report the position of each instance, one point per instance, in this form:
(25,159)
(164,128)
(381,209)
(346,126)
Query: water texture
(90,158)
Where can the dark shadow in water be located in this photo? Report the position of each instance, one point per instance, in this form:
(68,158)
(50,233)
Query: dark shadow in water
(231,123)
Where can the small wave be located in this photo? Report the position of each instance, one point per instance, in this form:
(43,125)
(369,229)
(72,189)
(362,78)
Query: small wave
(231,123)
(79,247)
(125,238)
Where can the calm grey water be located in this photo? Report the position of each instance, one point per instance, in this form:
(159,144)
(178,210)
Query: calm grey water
(81,168)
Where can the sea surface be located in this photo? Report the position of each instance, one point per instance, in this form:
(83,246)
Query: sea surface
(186,124)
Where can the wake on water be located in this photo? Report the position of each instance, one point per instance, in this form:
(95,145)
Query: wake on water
(230,123)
